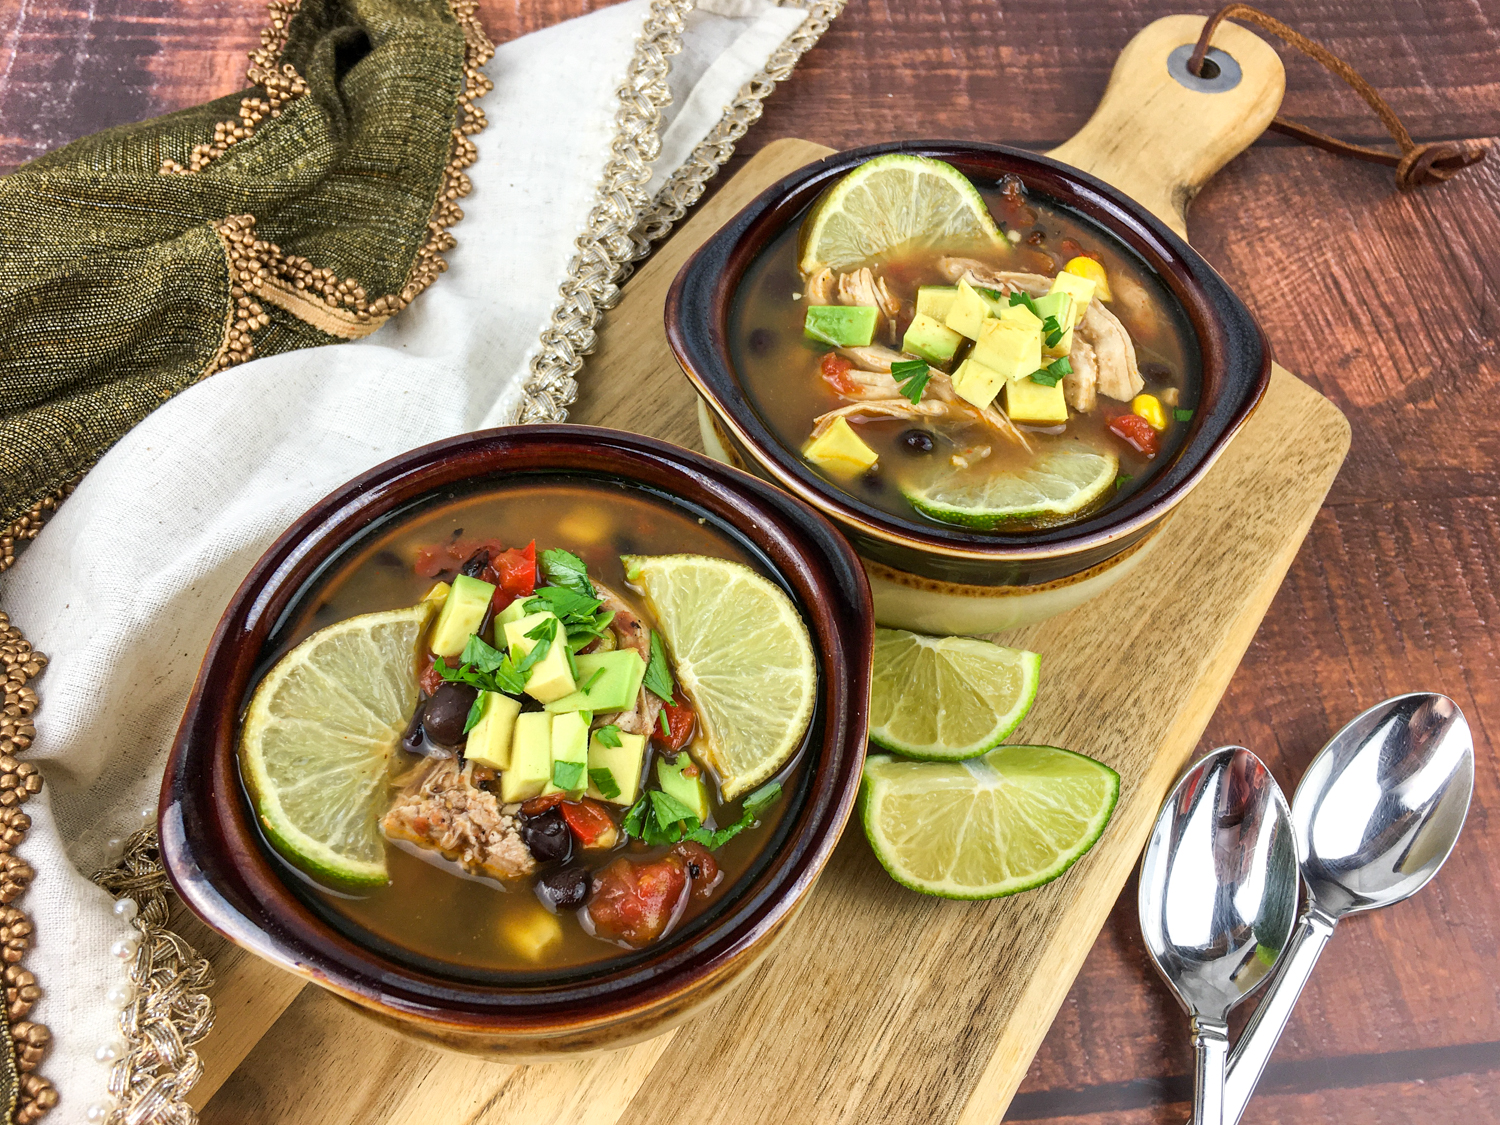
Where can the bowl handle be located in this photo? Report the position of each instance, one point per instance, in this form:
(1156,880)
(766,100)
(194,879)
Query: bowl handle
(1159,132)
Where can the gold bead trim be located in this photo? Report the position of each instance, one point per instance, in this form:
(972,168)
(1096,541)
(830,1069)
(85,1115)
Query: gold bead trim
(259,271)
(281,85)
(19,781)
(25,527)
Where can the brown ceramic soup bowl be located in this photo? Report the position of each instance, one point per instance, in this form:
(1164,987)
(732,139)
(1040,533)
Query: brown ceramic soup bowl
(946,579)
(227,874)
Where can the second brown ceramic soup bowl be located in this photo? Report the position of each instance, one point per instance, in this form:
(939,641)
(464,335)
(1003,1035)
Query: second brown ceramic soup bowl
(941,579)
(226,873)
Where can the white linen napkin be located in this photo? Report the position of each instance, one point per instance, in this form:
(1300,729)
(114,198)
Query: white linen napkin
(124,586)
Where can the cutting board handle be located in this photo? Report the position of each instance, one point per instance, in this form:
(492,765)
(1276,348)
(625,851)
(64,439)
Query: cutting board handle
(1159,141)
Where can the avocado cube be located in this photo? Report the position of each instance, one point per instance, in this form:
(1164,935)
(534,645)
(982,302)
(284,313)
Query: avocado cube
(1026,401)
(551,677)
(1021,317)
(840,450)
(977,384)
(936,300)
(620,674)
(530,758)
(461,616)
(691,791)
(625,764)
(530,928)
(1012,351)
(969,311)
(1081,289)
(570,754)
(490,738)
(843,326)
(930,340)
(513,612)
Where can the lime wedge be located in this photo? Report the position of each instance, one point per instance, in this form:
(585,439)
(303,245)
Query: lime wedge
(1059,485)
(742,655)
(947,698)
(319,733)
(894,202)
(1012,820)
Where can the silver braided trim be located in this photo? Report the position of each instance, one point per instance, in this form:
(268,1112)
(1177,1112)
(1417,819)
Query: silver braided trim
(624,225)
(169,1011)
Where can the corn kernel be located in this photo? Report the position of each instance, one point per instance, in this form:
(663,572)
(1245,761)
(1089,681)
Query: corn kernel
(1087,267)
(1150,408)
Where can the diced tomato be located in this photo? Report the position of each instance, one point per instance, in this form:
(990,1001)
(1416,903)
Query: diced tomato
(429,679)
(430,562)
(702,868)
(538,805)
(681,719)
(635,902)
(836,370)
(1073,249)
(515,573)
(1136,432)
(589,820)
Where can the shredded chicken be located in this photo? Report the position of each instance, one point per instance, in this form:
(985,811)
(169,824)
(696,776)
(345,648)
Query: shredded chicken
(878,390)
(862,287)
(632,634)
(1110,355)
(821,287)
(443,810)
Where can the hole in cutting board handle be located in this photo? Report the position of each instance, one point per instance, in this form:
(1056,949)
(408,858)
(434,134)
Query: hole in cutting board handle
(1220,71)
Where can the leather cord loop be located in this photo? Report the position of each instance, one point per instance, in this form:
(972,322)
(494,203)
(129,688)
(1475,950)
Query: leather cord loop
(1415,165)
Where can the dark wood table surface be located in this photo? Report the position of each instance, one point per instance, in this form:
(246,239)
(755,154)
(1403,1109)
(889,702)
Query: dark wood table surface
(1386,302)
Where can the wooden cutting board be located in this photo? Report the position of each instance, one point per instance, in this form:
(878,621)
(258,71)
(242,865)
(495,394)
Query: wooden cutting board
(880,1004)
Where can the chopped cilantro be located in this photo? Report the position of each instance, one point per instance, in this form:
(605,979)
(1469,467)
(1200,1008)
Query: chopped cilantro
(1182,415)
(580,614)
(658,818)
(568,775)
(594,679)
(604,781)
(1122,480)
(1052,330)
(658,679)
(1021,297)
(661,721)
(1050,375)
(912,376)
(476,712)
(543,634)
(566,570)
(608,735)
(504,676)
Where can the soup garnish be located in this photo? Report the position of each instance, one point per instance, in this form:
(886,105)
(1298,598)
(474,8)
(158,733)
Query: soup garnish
(935,362)
(534,766)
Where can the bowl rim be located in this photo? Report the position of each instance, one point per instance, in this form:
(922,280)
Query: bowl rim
(1231,343)
(212,852)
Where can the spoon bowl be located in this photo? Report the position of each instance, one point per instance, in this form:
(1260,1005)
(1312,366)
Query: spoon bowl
(1218,897)
(1376,815)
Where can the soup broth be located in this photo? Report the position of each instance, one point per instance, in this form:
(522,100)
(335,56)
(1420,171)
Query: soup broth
(795,382)
(446,915)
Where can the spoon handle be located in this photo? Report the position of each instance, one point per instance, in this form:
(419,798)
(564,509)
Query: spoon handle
(1257,1042)
(1211,1042)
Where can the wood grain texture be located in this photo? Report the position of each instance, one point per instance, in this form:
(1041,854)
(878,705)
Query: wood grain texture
(1384,302)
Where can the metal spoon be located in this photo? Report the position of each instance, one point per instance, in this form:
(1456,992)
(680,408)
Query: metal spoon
(1218,898)
(1376,815)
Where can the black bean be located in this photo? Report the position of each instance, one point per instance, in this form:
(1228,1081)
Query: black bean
(565,888)
(412,740)
(476,564)
(390,559)
(547,837)
(444,715)
(1154,372)
(917,441)
(761,340)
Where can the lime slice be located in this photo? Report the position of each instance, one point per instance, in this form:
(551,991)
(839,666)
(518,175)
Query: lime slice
(1009,821)
(947,698)
(894,202)
(1059,485)
(742,655)
(318,734)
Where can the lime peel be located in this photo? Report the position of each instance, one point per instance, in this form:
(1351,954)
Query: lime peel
(1057,486)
